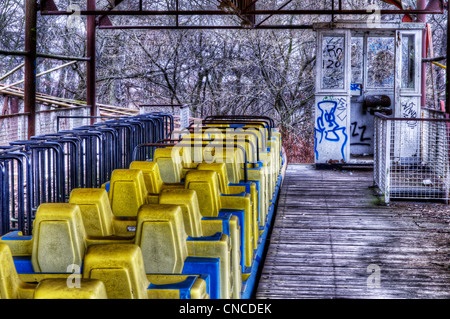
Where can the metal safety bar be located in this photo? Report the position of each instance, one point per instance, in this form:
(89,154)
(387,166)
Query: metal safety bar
(47,168)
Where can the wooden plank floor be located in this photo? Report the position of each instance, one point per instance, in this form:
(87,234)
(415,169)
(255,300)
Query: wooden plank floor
(332,239)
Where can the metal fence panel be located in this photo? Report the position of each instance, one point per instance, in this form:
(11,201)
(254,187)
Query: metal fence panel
(412,157)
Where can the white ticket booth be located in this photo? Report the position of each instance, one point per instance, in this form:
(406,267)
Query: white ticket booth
(362,69)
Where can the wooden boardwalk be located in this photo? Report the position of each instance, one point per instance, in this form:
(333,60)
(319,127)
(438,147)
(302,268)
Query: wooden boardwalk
(332,239)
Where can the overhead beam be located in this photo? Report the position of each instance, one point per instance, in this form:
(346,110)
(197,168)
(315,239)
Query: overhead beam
(204,27)
(253,12)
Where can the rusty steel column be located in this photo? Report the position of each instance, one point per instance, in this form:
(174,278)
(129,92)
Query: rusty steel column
(90,73)
(447,86)
(421,5)
(30,65)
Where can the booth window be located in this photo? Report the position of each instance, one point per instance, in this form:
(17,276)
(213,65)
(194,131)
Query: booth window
(333,53)
(357,59)
(381,62)
(408,61)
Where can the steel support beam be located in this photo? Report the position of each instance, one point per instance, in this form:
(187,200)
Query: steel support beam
(421,5)
(90,53)
(285,4)
(447,86)
(30,65)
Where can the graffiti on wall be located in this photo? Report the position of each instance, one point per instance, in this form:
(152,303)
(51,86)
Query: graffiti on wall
(356,87)
(327,129)
(358,134)
(409,111)
(333,61)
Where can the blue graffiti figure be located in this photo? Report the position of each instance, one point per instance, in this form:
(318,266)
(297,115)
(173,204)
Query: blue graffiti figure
(355,87)
(328,128)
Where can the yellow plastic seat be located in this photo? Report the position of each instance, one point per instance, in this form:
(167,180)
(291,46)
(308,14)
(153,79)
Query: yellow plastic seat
(98,219)
(11,286)
(165,245)
(127,192)
(59,238)
(169,162)
(228,188)
(120,268)
(211,203)
(187,200)
(206,185)
(255,173)
(95,210)
(59,289)
(162,289)
(152,178)
(198,226)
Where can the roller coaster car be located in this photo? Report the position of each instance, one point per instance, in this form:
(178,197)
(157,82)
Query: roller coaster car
(60,245)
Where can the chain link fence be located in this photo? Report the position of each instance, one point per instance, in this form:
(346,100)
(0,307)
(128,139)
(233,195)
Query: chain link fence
(412,156)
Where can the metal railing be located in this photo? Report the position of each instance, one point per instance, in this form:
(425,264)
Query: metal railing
(412,156)
(48,167)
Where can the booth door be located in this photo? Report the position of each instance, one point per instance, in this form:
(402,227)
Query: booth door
(372,87)
(408,93)
(332,111)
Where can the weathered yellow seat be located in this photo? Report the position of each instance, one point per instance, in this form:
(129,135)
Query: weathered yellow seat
(187,200)
(206,185)
(160,287)
(58,244)
(198,226)
(256,172)
(127,192)
(59,289)
(211,203)
(165,245)
(228,188)
(152,179)
(95,210)
(169,162)
(59,238)
(98,218)
(120,268)
(11,286)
